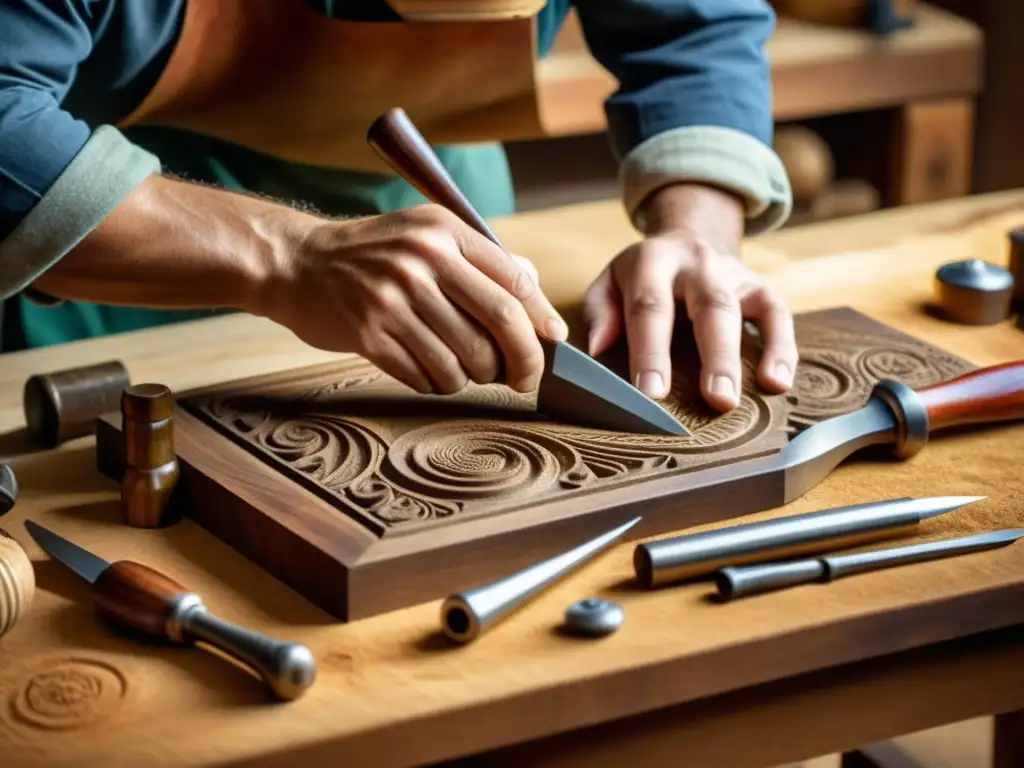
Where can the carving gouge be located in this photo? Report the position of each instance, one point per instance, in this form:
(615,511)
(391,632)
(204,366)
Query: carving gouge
(139,597)
(744,580)
(574,386)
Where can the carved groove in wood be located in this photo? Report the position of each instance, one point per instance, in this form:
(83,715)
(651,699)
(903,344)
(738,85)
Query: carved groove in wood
(397,461)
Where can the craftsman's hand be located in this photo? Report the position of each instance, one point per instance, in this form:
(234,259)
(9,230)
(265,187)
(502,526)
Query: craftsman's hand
(690,255)
(423,296)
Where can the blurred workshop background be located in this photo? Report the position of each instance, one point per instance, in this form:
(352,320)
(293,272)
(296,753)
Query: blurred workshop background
(877,104)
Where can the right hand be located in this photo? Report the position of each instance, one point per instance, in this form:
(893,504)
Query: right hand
(419,293)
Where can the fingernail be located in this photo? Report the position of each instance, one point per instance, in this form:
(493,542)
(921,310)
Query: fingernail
(556,329)
(722,386)
(650,383)
(782,374)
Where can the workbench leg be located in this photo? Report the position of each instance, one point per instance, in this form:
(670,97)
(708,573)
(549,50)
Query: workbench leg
(932,151)
(1008,740)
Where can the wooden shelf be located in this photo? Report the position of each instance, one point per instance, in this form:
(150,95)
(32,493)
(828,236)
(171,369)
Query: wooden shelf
(816,70)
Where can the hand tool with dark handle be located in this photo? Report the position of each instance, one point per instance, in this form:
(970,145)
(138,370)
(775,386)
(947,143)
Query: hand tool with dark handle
(746,580)
(139,597)
(574,387)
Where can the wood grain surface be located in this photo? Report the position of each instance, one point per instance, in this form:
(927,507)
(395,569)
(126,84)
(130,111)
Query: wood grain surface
(389,693)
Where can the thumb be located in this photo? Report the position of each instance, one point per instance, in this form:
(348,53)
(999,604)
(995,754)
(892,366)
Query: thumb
(602,313)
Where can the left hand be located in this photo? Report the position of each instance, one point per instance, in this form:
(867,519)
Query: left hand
(690,254)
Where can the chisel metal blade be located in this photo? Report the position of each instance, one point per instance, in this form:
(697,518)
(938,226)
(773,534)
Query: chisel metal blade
(81,561)
(576,389)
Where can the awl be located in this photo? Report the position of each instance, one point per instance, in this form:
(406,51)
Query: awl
(745,580)
(136,596)
(575,388)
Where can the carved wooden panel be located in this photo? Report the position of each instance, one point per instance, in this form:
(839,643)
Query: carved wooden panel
(431,494)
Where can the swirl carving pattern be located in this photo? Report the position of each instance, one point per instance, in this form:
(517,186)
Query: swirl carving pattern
(390,469)
(67,694)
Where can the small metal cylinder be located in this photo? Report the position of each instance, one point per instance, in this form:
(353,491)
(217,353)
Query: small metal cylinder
(699,554)
(974,292)
(63,405)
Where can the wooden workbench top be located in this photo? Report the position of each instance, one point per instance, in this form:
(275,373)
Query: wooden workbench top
(75,692)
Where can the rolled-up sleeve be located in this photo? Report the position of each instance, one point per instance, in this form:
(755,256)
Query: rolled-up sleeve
(694,102)
(58,177)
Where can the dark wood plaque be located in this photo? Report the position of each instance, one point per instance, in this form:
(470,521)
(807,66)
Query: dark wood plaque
(366,497)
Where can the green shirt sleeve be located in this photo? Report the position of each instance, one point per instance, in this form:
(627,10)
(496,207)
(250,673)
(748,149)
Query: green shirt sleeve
(101,175)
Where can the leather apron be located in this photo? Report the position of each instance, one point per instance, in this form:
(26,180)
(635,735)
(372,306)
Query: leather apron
(280,78)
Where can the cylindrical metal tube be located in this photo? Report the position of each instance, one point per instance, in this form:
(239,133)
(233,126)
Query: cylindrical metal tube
(746,580)
(63,405)
(699,554)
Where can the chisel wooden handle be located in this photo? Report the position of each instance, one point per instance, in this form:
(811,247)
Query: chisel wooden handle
(17,582)
(146,600)
(402,146)
(989,394)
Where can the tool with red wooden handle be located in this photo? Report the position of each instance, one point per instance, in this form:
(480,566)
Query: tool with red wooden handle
(133,595)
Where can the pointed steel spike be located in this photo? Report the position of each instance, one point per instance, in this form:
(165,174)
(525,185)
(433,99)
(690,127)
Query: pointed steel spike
(577,389)
(940,505)
(467,615)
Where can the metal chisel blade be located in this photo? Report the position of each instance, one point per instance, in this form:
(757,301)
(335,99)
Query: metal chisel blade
(577,389)
(81,561)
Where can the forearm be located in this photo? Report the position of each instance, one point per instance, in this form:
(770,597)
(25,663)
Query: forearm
(175,245)
(697,210)
(694,100)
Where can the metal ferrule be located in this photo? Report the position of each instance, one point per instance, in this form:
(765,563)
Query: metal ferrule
(911,416)
(467,615)
(178,613)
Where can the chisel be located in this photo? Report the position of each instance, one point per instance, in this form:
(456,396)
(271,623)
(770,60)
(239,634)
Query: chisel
(574,388)
(133,595)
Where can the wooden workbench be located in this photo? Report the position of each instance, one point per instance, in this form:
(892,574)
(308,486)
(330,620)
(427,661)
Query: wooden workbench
(676,685)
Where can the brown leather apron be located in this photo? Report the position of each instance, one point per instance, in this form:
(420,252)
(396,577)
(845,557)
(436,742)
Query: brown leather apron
(278,77)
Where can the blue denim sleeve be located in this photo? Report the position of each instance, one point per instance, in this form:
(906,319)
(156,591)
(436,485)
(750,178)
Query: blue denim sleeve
(59,175)
(41,46)
(694,102)
(682,63)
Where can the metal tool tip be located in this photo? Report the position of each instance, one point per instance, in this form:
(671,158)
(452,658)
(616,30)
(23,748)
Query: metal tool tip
(942,504)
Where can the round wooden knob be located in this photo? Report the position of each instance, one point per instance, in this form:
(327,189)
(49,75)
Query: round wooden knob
(808,161)
(17,582)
